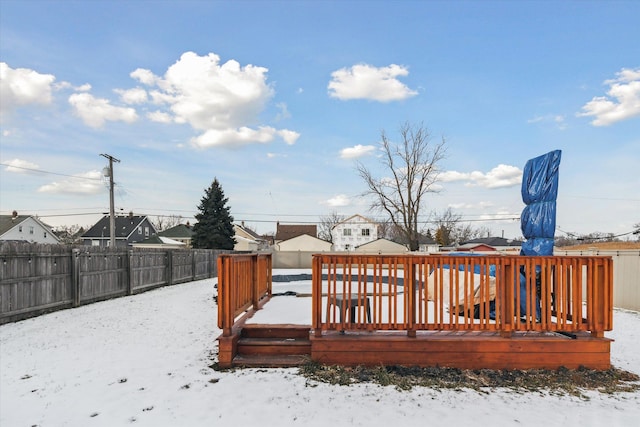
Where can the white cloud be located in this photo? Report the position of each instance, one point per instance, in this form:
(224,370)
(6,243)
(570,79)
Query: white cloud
(20,166)
(622,102)
(132,96)
(558,120)
(499,177)
(160,117)
(95,111)
(86,183)
(221,100)
(364,81)
(242,136)
(475,206)
(338,201)
(22,86)
(357,151)
(284,111)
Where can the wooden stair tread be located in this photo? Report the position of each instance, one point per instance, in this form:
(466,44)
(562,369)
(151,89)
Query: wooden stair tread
(276,331)
(269,361)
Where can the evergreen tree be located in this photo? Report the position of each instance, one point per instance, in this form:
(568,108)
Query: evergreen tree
(214,229)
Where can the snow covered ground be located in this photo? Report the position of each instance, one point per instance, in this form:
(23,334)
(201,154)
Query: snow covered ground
(144,361)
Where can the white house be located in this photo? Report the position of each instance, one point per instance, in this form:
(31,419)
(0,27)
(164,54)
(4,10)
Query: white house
(247,239)
(304,243)
(25,228)
(353,232)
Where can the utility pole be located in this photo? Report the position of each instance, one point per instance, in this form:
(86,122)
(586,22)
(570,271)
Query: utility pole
(112,218)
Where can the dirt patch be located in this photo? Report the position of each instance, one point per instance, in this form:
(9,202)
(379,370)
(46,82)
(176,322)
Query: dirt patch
(557,382)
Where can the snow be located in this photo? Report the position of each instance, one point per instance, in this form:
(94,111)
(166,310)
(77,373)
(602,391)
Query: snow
(144,360)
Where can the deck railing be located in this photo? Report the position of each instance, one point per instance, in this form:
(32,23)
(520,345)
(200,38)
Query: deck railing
(505,294)
(243,281)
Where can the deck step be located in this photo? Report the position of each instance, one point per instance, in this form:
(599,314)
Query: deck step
(261,361)
(274,346)
(276,331)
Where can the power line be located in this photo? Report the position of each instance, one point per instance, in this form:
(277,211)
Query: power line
(51,173)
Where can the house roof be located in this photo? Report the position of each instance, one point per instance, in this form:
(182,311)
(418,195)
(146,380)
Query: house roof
(422,240)
(180,231)
(7,222)
(286,232)
(125,225)
(364,220)
(160,240)
(249,231)
(494,241)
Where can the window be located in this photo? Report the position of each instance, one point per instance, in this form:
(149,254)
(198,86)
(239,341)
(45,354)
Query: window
(346,232)
(31,230)
(365,231)
(20,229)
(45,234)
(139,230)
(146,232)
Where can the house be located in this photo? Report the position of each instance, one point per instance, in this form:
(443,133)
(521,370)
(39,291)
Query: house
(303,243)
(25,228)
(129,229)
(159,242)
(381,246)
(425,243)
(180,233)
(289,231)
(247,239)
(485,244)
(352,232)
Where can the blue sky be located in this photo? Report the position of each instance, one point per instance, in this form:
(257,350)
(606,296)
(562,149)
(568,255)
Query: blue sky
(279,100)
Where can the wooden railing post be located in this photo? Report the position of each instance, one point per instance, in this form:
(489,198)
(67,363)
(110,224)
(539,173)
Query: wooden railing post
(598,294)
(410,274)
(506,284)
(316,295)
(255,293)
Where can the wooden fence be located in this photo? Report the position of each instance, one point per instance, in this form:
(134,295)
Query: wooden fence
(462,293)
(36,279)
(244,282)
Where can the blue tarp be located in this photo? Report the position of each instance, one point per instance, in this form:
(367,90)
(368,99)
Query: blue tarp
(538,220)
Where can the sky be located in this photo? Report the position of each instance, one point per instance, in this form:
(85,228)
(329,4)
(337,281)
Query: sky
(281,100)
(120,363)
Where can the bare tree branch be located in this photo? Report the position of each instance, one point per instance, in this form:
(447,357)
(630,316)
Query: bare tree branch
(413,166)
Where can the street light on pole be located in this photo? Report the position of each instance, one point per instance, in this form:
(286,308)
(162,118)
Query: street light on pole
(112,218)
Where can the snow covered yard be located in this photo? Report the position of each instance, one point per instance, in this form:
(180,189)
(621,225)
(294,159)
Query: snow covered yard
(144,361)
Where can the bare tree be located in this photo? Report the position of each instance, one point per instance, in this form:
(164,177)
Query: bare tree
(164,222)
(413,165)
(450,229)
(327,222)
(70,234)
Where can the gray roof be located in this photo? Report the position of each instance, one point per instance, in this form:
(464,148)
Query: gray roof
(180,231)
(494,241)
(125,225)
(7,222)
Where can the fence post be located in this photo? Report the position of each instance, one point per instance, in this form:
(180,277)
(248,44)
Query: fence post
(129,255)
(194,254)
(169,267)
(75,276)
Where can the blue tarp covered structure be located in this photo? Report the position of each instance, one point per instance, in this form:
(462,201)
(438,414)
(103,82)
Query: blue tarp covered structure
(538,219)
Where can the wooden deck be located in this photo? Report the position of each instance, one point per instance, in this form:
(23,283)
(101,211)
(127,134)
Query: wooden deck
(406,330)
